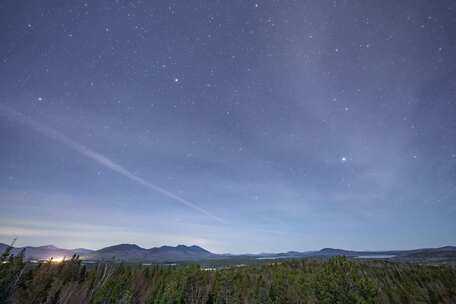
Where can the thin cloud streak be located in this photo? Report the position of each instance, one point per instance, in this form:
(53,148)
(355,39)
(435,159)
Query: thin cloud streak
(100,159)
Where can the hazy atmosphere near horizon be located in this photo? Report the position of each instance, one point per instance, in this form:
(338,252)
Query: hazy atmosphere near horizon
(239,126)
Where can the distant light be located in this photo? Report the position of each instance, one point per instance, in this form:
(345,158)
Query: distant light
(176,79)
(344,159)
(57,260)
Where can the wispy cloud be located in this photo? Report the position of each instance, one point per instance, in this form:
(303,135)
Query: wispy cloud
(100,159)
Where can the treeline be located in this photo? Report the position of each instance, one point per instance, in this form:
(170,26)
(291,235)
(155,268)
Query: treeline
(337,280)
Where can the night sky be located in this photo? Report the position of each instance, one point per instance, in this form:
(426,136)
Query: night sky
(239,126)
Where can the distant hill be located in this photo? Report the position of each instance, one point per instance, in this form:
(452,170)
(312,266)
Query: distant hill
(442,251)
(446,252)
(45,252)
(132,252)
(124,252)
(182,253)
(121,252)
(429,254)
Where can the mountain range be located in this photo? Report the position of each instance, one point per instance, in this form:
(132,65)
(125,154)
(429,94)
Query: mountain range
(181,253)
(121,252)
(132,252)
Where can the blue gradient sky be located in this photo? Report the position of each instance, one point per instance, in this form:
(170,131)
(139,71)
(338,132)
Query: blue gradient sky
(239,126)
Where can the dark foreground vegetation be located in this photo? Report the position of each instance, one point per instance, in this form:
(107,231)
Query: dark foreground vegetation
(337,280)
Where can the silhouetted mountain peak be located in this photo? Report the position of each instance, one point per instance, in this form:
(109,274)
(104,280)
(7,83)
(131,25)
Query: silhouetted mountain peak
(335,251)
(449,248)
(122,247)
(331,250)
(50,247)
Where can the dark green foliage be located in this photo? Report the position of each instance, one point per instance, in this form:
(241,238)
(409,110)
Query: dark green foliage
(11,269)
(49,282)
(342,281)
(338,280)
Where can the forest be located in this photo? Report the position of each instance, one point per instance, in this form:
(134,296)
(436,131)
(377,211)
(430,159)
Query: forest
(335,280)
